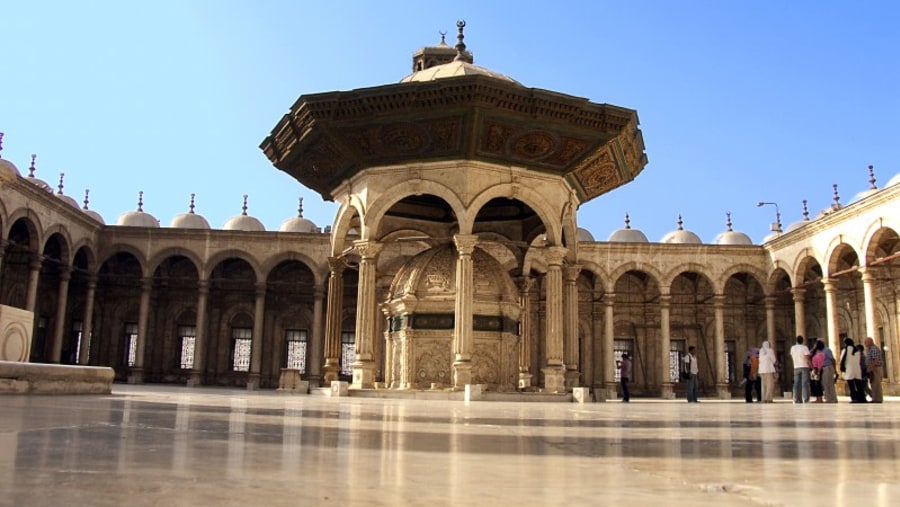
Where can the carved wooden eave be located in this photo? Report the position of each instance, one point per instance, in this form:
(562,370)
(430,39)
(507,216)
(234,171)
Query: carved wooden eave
(326,138)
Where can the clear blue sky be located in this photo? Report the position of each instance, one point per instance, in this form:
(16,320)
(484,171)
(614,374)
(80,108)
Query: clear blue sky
(739,101)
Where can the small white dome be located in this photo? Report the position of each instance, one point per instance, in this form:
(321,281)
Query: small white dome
(189,220)
(681,236)
(68,200)
(733,238)
(138,218)
(93,214)
(298,223)
(893,181)
(244,222)
(627,235)
(585,235)
(796,225)
(771,236)
(8,170)
(865,193)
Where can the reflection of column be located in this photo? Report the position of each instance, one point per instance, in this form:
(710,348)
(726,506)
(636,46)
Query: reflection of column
(333,319)
(799,311)
(136,375)
(609,355)
(316,340)
(463,335)
(33,277)
(665,329)
(526,284)
(719,348)
(770,321)
(868,279)
(571,353)
(87,327)
(554,372)
(59,321)
(259,315)
(364,366)
(388,349)
(196,377)
(831,315)
(595,372)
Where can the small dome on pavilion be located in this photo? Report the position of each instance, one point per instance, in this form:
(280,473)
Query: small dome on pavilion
(8,170)
(244,222)
(37,181)
(835,206)
(800,223)
(138,218)
(89,212)
(62,196)
(189,220)
(893,181)
(298,223)
(681,236)
(585,235)
(730,236)
(873,189)
(627,235)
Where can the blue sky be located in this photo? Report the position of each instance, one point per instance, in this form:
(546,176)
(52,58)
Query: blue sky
(739,101)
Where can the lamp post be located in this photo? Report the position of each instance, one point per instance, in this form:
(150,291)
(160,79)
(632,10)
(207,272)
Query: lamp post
(775,227)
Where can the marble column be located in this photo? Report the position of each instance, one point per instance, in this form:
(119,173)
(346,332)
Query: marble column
(722,390)
(259,316)
(665,330)
(34,276)
(770,320)
(526,284)
(366,313)
(868,279)
(59,320)
(196,376)
(799,295)
(609,354)
(136,373)
(463,333)
(831,316)
(554,372)
(596,353)
(316,340)
(87,327)
(333,319)
(388,350)
(571,351)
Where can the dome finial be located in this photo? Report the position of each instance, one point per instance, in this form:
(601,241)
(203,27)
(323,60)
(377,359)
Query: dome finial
(191,207)
(87,192)
(460,45)
(805,211)
(728,220)
(627,221)
(872,177)
(141,201)
(443,38)
(300,208)
(837,198)
(59,188)
(680,223)
(1,144)
(244,207)
(31,167)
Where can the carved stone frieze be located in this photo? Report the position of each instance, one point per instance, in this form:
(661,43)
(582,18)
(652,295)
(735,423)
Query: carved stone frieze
(432,362)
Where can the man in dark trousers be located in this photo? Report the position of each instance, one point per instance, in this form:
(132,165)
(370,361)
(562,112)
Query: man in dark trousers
(625,375)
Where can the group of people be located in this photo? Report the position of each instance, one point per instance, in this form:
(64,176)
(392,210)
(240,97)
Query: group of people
(815,372)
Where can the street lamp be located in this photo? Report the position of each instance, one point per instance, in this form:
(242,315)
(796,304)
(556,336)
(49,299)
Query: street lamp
(776,226)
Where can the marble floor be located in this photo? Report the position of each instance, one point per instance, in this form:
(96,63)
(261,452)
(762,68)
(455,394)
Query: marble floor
(172,446)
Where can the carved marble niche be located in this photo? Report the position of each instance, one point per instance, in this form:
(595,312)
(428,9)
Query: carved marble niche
(421,306)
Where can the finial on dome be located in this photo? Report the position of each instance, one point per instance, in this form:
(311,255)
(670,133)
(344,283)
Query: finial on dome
(872,177)
(59,188)
(680,223)
(728,220)
(460,45)
(141,201)
(191,207)
(87,192)
(1,144)
(300,209)
(837,198)
(443,38)
(627,221)
(805,211)
(31,167)
(244,207)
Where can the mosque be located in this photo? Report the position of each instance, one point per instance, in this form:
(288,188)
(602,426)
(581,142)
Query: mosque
(455,258)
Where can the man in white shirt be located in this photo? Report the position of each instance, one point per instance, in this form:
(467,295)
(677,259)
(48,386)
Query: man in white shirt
(693,369)
(800,356)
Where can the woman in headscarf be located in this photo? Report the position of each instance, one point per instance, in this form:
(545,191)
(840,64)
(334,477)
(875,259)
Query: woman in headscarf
(767,360)
(852,372)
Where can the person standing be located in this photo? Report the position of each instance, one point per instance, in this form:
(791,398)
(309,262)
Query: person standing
(823,362)
(693,370)
(767,360)
(800,356)
(875,368)
(752,380)
(852,371)
(625,376)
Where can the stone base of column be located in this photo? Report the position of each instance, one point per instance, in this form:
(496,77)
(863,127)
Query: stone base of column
(195,379)
(668,391)
(525,380)
(136,376)
(331,372)
(462,374)
(554,379)
(723,391)
(253,382)
(573,379)
(612,390)
(363,375)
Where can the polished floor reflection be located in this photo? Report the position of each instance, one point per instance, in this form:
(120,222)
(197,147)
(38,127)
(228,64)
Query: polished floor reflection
(151,445)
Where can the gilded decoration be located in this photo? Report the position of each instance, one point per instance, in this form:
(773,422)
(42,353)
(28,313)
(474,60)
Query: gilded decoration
(432,360)
(598,174)
(486,363)
(533,145)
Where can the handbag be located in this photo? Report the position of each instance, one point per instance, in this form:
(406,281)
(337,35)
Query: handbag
(685,375)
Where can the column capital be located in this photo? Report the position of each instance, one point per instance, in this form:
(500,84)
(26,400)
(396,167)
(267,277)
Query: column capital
(555,255)
(65,273)
(868,273)
(318,291)
(35,261)
(572,272)
(465,243)
(665,300)
(829,284)
(368,249)
(609,299)
(146,283)
(798,292)
(337,265)
(203,286)
(719,300)
(92,281)
(770,301)
(526,284)
(261,288)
